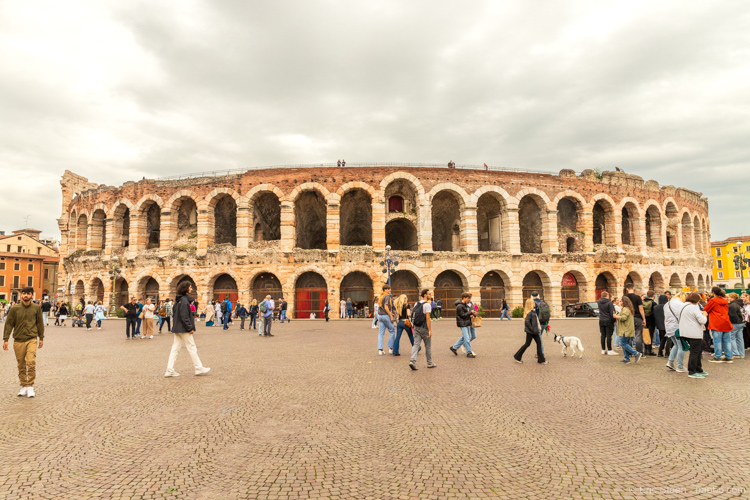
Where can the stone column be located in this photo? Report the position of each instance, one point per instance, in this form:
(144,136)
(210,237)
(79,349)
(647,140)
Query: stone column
(378,224)
(138,237)
(549,233)
(512,243)
(167,233)
(514,293)
(286,244)
(469,230)
(639,233)
(205,231)
(333,227)
(586,225)
(425,228)
(243,230)
(617,226)
(555,300)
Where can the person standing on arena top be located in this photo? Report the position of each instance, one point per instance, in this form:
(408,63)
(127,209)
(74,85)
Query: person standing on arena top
(26,323)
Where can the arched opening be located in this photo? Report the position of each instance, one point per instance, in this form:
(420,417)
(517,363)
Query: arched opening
(83,226)
(629,228)
(184,215)
(603,215)
(178,280)
(121,227)
(152,212)
(310,221)
(72,232)
(569,290)
(225,220)
(634,279)
(446,222)
(406,283)
(448,288)
(690,281)
(656,283)
(675,283)
(225,287)
(150,289)
(266,284)
(402,197)
(98,230)
(530,224)
(121,292)
(687,233)
(401,234)
(606,282)
(701,283)
(356,218)
(673,223)
(698,238)
(534,281)
(97,287)
(491,210)
(653,227)
(311,293)
(358,287)
(492,293)
(570,239)
(80,292)
(267,217)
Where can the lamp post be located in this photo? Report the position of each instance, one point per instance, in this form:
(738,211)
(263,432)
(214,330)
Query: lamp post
(741,263)
(114,273)
(390,263)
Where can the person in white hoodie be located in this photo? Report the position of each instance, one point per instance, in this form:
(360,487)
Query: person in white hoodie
(672,312)
(692,320)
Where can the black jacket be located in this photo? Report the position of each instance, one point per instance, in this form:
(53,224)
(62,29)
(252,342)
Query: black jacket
(183,318)
(736,312)
(531,323)
(659,313)
(463,314)
(606,310)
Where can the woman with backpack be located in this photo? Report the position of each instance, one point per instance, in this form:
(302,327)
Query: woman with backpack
(404,324)
(533,330)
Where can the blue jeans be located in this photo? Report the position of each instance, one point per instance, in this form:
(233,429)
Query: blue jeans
(226,320)
(627,347)
(541,335)
(283,315)
(464,340)
(402,328)
(253,321)
(656,341)
(722,343)
(738,340)
(505,315)
(375,321)
(138,325)
(385,322)
(677,353)
(350,313)
(615,337)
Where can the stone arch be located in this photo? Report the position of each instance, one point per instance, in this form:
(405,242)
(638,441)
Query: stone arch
(446,207)
(672,218)
(606,281)
(356,185)
(493,288)
(629,222)
(570,207)
(359,287)
(656,282)
(675,283)
(98,236)
(266,283)
(183,214)
(82,230)
(122,291)
(221,206)
(96,289)
(265,209)
(603,214)
(120,215)
(492,218)
(531,218)
(536,280)
(309,186)
(310,294)
(147,199)
(149,210)
(117,206)
(403,281)
(463,198)
(573,286)
(224,285)
(355,224)
(80,291)
(687,231)
(635,278)
(409,178)
(310,219)
(701,283)
(653,224)
(690,281)
(461,271)
(448,287)
(72,230)
(401,234)
(148,286)
(174,282)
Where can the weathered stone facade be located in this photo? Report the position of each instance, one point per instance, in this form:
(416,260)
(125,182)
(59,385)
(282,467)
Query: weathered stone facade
(491,233)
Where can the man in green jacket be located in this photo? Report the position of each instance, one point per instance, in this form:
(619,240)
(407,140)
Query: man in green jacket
(26,323)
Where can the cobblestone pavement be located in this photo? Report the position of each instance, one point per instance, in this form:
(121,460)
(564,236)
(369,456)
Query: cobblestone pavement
(315,413)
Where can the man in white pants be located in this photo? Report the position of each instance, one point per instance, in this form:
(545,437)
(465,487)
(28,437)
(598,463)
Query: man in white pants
(183,329)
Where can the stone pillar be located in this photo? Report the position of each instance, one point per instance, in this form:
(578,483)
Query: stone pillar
(555,300)
(378,224)
(138,236)
(512,243)
(205,231)
(514,293)
(617,226)
(586,225)
(286,244)
(243,230)
(469,230)
(291,298)
(639,233)
(168,232)
(549,232)
(333,227)
(425,227)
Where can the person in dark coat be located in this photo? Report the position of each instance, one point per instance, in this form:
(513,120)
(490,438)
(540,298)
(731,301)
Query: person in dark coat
(533,330)
(665,343)
(183,330)
(606,323)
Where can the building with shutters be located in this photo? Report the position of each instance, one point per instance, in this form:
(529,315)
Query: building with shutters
(319,232)
(25,260)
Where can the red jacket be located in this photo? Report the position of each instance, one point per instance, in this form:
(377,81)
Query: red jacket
(718,315)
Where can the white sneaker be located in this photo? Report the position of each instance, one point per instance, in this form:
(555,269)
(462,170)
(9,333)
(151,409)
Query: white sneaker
(380,352)
(151,337)
(604,352)
(23,391)
(203,371)
(30,392)
(171,374)
(681,370)
(390,351)
(462,349)
(612,353)
(99,328)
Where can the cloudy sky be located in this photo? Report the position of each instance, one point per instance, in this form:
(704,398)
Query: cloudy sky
(116,90)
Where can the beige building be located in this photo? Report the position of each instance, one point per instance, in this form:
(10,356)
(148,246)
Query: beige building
(27,261)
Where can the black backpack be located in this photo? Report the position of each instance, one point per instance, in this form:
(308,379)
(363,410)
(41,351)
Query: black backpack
(418,317)
(544,312)
(223,307)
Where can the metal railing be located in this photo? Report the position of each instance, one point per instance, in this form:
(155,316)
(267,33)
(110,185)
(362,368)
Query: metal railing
(239,171)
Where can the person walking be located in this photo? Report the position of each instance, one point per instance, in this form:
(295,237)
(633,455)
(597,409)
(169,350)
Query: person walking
(618,307)
(533,329)
(439,306)
(720,326)
(167,318)
(55,312)
(660,327)
(639,315)
(282,311)
(672,313)
(648,310)
(626,330)
(253,311)
(226,312)
(737,318)
(46,307)
(404,322)
(148,319)
(63,314)
(218,315)
(138,318)
(326,311)
(463,322)
(242,314)
(131,312)
(267,316)
(386,317)
(606,323)
(504,311)
(99,314)
(88,311)
(375,314)
(210,313)
(422,329)
(542,310)
(342,309)
(692,320)
(183,330)
(26,323)
(349,308)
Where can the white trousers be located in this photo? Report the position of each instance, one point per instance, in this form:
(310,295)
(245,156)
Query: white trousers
(179,340)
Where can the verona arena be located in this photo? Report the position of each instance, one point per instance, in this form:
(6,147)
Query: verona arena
(318,231)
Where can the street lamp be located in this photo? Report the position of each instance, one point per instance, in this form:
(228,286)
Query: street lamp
(741,263)
(114,273)
(390,263)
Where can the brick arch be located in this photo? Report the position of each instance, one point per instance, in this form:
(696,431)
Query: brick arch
(403,175)
(140,282)
(309,186)
(493,268)
(569,193)
(116,205)
(543,274)
(89,287)
(182,193)
(356,185)
(149,197)
(581,274)
(534,192)
(406,266)
(649,203)
(208,201)
(217,271)
(291,282)
(463,197)
(629,199)
(604,197)
(174,279)
(490,189)
(99,206)
(462,272)
(261,189)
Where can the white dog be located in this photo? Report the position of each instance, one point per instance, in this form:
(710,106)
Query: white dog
(570,345)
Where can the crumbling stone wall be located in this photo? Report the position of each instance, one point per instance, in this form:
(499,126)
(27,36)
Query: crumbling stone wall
(267,217)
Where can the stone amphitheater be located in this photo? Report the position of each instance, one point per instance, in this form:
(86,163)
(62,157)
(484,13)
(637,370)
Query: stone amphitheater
(318,232)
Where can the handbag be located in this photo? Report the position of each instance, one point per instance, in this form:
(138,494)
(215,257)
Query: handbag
(476,321)
(407,323)
(683,342)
